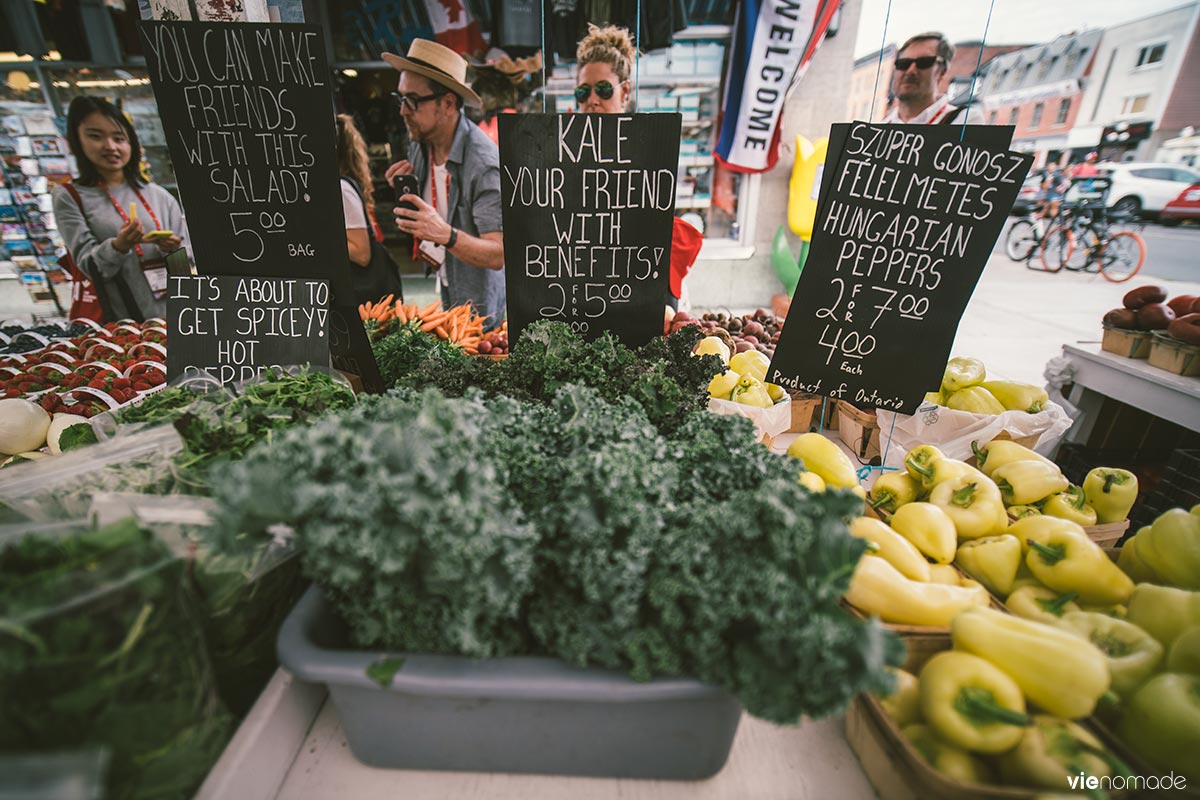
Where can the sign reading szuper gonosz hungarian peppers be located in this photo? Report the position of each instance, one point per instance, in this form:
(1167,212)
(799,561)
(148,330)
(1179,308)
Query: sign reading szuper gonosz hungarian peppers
(908,215)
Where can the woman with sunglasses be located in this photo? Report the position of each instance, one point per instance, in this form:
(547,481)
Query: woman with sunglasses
(606,57)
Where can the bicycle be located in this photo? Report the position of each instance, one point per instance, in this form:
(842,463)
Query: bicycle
(1089,244)
(1025,236)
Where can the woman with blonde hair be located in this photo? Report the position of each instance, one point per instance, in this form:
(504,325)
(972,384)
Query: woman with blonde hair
(606,58)
(374,273)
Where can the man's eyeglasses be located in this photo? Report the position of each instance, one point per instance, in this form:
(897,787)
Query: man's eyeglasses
(603,89)
(413,101)
(923,62)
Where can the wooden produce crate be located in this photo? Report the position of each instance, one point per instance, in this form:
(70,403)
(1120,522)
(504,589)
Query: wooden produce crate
(1175,356)
(805,409)
(1107,535)
(1127,344)
(859,430)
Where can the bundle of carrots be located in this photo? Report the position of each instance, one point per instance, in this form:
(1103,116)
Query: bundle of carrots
(459,325)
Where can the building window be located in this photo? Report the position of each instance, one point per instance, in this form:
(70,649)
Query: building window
(1046,66)
(1151,54)
(1064,108)
(1036,122)
(1012,116)
(992,117)
(1135,104)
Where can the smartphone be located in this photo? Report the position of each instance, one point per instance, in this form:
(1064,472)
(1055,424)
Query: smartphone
(153,235)
(406,184)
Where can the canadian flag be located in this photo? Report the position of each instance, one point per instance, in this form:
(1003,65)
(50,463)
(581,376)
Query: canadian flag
(453,25)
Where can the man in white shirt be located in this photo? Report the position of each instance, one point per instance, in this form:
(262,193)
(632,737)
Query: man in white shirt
(919,67)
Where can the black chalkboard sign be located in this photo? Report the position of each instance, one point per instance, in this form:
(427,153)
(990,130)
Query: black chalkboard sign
(588,207)
(248,110)
(907,217)
(233,328)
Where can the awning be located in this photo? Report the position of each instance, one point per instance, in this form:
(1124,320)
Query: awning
(1084,137)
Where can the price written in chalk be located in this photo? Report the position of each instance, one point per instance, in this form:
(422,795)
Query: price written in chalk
(907,217)
(588,220)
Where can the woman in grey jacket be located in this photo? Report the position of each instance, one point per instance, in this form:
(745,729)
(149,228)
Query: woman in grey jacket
(105,216)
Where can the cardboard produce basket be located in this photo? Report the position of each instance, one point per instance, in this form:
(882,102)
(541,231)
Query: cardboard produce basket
(516,715)
(1127,344)
(859,429)
(1169,353)
(897,770)
(805,410)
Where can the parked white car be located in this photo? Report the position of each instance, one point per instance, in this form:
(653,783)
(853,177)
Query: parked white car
(1141,187)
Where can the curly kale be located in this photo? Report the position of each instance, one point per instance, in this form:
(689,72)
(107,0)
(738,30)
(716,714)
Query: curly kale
(404,520)
(574,528)
(409,357)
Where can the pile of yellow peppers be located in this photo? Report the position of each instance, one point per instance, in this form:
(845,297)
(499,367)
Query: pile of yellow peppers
(1001,705)
(965,387)
(745,377)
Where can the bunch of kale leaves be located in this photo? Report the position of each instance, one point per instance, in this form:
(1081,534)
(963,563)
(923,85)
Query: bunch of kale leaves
(663,377)
(574,528)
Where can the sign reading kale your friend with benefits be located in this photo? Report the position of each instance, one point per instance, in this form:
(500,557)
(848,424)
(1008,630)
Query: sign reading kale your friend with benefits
(248,110)
(907,219)
(588,202)
(232,328)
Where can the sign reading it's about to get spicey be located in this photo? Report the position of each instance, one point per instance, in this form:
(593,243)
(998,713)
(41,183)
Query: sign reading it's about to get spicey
(907,217)
(232,328)
(588,202)
(248,110)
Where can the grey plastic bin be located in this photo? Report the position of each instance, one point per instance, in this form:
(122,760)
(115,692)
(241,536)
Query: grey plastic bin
(525,715)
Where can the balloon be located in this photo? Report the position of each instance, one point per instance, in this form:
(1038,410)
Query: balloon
(786,268)
(805,184)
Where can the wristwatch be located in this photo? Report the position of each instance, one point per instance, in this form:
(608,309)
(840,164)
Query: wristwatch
(453,238)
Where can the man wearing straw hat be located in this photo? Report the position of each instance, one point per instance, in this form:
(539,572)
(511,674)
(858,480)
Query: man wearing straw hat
(919,68)
(456,220)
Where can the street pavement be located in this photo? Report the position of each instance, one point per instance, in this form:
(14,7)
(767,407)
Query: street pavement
(1016,321)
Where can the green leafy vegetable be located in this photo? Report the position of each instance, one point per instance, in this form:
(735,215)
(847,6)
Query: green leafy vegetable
(572,527)
(77,436)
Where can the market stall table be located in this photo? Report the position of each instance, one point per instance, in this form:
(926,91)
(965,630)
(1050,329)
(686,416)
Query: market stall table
(291,747)
(1098,374)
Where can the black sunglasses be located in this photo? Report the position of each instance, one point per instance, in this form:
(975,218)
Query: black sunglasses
(923,62)
(604,90)
(413,101)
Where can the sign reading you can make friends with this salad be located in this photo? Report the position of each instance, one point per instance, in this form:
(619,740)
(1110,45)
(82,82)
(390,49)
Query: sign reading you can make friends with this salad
(907,218)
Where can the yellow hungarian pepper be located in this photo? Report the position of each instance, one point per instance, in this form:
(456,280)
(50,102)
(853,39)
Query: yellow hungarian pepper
(892,547)
(722,385)
(1040,604)
(944,573)
(1172,548)
(903,705)
(1062,557)
(750,362)
(1057,670)
(946,469)
(1070,504)
(750,391)
(1016,396)
(999,452)
(1133,654)
(919,460)
(962,372)
(1021,512)
(974,400)
(1111,492)
(973,503)
(1025,482)
(971,703)
(812,481)
(1163,611)
(824,458)
(951,761)
(992,560)
(1051,750)
(892,490)
(880,589)
(929,528)
(1131,562)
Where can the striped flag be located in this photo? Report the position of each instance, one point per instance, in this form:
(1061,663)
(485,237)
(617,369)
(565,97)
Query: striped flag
(773,42)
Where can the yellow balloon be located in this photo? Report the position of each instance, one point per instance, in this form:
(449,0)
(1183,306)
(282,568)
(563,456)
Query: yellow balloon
(805,185)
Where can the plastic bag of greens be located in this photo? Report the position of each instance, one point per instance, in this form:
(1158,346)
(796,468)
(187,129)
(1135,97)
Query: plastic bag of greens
(243,594)
(100,645)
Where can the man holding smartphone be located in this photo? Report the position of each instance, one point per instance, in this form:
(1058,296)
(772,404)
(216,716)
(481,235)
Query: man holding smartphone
(453,208)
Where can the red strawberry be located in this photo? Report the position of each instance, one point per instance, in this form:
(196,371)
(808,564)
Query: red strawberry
(50,401)
(141,386)
(155,377)
(121,383)
(12,392)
